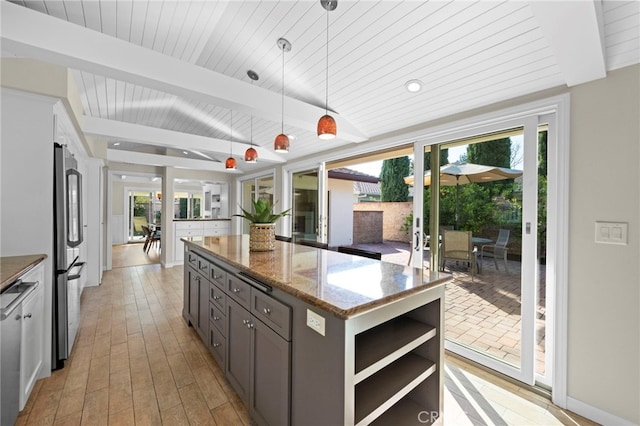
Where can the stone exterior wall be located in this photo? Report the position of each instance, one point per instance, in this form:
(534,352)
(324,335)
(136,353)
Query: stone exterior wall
(393,214)
(367,227)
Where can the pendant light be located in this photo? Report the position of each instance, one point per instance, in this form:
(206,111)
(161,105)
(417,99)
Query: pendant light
(326,124)
(251,155)
(281,143)
(230,164)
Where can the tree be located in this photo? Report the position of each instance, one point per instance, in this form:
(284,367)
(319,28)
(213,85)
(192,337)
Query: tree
(392,174)
(492,153)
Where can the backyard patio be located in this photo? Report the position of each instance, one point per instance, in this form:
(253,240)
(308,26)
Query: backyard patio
(483,313)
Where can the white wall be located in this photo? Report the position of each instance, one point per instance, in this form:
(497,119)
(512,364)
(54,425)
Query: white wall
(26,223)
(340,212)
(604,283)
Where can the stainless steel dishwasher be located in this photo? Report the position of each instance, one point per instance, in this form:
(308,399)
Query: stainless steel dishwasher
(10,335)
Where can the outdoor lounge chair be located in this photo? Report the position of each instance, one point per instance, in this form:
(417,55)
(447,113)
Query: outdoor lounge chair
(457,245)
(497,250)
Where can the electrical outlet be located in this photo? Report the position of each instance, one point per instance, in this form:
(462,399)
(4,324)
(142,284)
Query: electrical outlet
(315,322)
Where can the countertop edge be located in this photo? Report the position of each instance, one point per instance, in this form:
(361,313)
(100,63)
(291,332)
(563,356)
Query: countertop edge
(203,220)
(305,297)
(27,262)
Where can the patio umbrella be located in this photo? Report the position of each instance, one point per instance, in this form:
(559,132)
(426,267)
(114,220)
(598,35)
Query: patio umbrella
(459,173)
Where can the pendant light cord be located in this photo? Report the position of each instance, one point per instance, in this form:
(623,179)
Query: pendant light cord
(282,128)
(231,137)
(326,98)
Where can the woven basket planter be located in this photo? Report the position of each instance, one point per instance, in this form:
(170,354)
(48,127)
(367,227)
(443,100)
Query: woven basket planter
(262,236)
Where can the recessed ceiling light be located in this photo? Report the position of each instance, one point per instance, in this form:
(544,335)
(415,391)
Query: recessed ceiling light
(292,137)
(413,86)
(116,144)
(123,177)
(185,152)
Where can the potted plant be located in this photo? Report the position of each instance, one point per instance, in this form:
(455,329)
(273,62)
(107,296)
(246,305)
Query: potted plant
(262,234)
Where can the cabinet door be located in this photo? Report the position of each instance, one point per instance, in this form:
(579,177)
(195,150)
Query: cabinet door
(194,292)
(270,376)
(203,309)
(238,348)
(31,343)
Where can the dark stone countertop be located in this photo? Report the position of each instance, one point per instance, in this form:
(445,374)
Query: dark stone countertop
(342,284)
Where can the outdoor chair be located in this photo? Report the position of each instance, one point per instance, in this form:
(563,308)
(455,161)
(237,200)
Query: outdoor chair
(360,252)
(497,250)
(457,245)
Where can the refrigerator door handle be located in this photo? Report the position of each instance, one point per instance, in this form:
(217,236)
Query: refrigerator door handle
(80,266)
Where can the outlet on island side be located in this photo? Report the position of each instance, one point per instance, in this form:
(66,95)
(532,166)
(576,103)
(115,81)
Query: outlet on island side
(315,322)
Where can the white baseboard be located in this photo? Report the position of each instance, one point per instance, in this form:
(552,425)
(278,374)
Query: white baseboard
(596,414)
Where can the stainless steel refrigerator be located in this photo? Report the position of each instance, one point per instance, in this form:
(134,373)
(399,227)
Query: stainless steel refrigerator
(68,266)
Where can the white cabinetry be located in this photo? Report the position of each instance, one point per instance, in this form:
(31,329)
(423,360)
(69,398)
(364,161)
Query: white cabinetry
(32,335)
(197,228)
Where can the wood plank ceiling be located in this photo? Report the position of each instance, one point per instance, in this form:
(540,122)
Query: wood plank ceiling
(467,54)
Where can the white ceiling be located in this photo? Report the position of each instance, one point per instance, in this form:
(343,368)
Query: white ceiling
(162,77)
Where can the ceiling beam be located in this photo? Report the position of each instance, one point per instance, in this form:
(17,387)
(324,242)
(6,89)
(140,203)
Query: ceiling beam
(120,130)
(574,30)
(74,46)
(158,160)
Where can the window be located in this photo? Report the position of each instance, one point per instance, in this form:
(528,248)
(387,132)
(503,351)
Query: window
(187,205)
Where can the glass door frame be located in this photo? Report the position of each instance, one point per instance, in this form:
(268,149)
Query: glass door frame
(287,195)
(528,116)
(255,179)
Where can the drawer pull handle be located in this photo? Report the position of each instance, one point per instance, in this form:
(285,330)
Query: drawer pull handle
(245,322)
(216,277)
(28,315)
(217,297)
(197,278)
(216,318)
(249,324)
(236,290)
(216,345)
(267,311)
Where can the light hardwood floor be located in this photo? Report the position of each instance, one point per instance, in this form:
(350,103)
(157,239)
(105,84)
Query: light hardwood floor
(135,361)
(123,255)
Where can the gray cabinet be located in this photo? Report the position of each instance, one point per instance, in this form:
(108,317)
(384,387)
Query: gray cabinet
(238,368)
(258,366)
(196,303)
(270,376)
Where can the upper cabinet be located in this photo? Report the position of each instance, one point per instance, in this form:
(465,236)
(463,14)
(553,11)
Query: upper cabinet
(216,201)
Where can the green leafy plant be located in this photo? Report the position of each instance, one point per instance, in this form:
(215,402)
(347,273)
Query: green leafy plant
(262,212)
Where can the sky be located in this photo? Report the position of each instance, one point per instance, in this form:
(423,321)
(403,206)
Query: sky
(373,168)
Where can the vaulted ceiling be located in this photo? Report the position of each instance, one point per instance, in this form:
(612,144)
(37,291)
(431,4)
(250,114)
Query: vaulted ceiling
(161,80)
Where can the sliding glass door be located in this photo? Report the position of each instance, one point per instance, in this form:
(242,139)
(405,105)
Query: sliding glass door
(305,213)
(482,219)
(260,188)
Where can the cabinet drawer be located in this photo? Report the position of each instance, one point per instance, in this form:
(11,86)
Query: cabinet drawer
(192,258)
(239,290)
(203,266)
(188,233)
(188,225)
(217,345)
(216,224)
(273,313)
(218,297)
(217,274)
(217,318)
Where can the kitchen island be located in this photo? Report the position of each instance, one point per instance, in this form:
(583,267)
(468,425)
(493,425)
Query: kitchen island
(310,336)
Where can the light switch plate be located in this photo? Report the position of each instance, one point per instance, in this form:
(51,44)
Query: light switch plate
(315,322)
(612,233)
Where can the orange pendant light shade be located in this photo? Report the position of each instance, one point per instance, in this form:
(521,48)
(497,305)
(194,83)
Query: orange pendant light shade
(326,127)
(281,143)
(230,164)
(251,155)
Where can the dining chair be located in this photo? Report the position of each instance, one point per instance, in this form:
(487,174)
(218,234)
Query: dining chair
(150,238)
(360,252)
(457,245)
(497,250)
